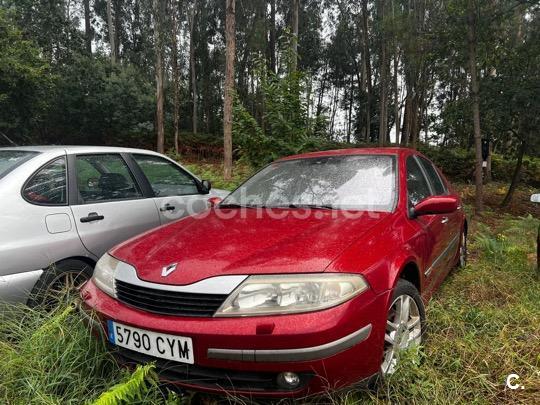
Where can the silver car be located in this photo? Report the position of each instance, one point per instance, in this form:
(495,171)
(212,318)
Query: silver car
(61,208)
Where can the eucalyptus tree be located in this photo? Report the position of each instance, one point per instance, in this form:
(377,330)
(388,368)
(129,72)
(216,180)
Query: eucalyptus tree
(230,34)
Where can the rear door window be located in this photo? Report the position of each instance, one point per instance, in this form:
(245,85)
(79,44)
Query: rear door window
(433,176)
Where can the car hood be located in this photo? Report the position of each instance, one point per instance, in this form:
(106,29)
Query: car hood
(232,242)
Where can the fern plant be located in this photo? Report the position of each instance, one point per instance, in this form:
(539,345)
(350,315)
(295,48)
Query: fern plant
(133,389)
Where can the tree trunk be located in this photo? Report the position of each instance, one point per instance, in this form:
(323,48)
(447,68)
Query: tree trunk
(309,107)
(176,74)
(320,98)
(294,42)
(136,32)
(471,37)
(230,41)
(516,176)
(488,176)
(397,110)
(349,118)
(367,60)
(87,28)
(158,20)
(192,67)
(272,42)
(110,26)
(406,120)
(334,108)
(117,27)
(383,102)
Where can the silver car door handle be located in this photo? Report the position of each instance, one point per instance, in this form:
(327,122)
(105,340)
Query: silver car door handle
(167,207)
(444,220)
(93,216)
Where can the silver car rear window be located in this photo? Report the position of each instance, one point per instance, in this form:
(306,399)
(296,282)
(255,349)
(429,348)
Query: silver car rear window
(10,159)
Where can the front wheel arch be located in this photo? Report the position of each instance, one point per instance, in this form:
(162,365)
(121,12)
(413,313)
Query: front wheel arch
(83,265)
(411,273)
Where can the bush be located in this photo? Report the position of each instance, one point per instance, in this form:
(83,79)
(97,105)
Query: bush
(458,165)
(284,128)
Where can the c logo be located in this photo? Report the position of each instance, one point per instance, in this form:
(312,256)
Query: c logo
(510,382)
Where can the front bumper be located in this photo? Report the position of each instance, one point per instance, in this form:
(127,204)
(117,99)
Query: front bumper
(328,349)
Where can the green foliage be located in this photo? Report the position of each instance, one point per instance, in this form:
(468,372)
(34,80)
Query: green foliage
(50,358)
(53,358)
(25,80)
(214,172)
(284,128)
(92,87)
(458,165)
(132,389)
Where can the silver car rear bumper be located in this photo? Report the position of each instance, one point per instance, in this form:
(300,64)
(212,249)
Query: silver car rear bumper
(15,288)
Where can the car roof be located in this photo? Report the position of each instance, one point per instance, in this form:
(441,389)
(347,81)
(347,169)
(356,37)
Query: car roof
(354,151)
(77,149)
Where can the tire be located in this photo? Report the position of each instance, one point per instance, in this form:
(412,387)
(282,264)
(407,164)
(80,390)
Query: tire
(51,287)
(463,250)
(402,333)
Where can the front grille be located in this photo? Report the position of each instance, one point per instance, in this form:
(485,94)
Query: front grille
(168,302)
(206,377)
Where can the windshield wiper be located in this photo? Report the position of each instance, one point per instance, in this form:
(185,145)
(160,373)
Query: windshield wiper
(235,205)
(311,206)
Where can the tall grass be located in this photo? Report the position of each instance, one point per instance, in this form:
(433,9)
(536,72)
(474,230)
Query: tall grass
(52,358)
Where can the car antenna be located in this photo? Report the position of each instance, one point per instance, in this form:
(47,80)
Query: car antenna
(8,139)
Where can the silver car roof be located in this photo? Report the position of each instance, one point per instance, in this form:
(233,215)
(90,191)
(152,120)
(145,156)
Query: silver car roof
(77,149)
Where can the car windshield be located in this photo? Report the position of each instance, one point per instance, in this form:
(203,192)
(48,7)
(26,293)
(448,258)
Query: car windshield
(9,159)
(352,182)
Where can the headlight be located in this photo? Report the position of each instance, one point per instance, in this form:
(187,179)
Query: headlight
(286,294)
(104,272)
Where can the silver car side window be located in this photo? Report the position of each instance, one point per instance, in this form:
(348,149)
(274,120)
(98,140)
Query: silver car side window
(48,185)
(166,179)
(105,177)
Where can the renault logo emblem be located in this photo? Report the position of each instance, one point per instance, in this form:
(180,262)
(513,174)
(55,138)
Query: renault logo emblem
(165,271)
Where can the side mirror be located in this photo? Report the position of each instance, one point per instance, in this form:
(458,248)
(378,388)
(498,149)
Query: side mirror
(535,198)
(213,201)
(441,204)
(207,186)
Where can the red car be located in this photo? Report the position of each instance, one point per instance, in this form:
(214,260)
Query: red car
(312,275)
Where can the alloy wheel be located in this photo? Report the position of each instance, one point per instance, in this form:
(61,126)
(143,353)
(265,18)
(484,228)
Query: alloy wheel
(403,331)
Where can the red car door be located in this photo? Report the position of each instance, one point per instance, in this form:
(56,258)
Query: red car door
(434,226)
(451,222)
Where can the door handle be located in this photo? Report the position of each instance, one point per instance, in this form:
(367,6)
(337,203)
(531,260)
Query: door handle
(167,207)
(444,220)
(93,216)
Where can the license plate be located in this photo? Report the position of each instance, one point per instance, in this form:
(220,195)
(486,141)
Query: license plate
(162,345)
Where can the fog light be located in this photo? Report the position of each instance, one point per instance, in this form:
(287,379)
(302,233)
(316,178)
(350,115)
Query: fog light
(288,380)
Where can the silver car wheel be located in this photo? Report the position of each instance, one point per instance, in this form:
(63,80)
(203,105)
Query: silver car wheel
(403,331)
(65,287)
